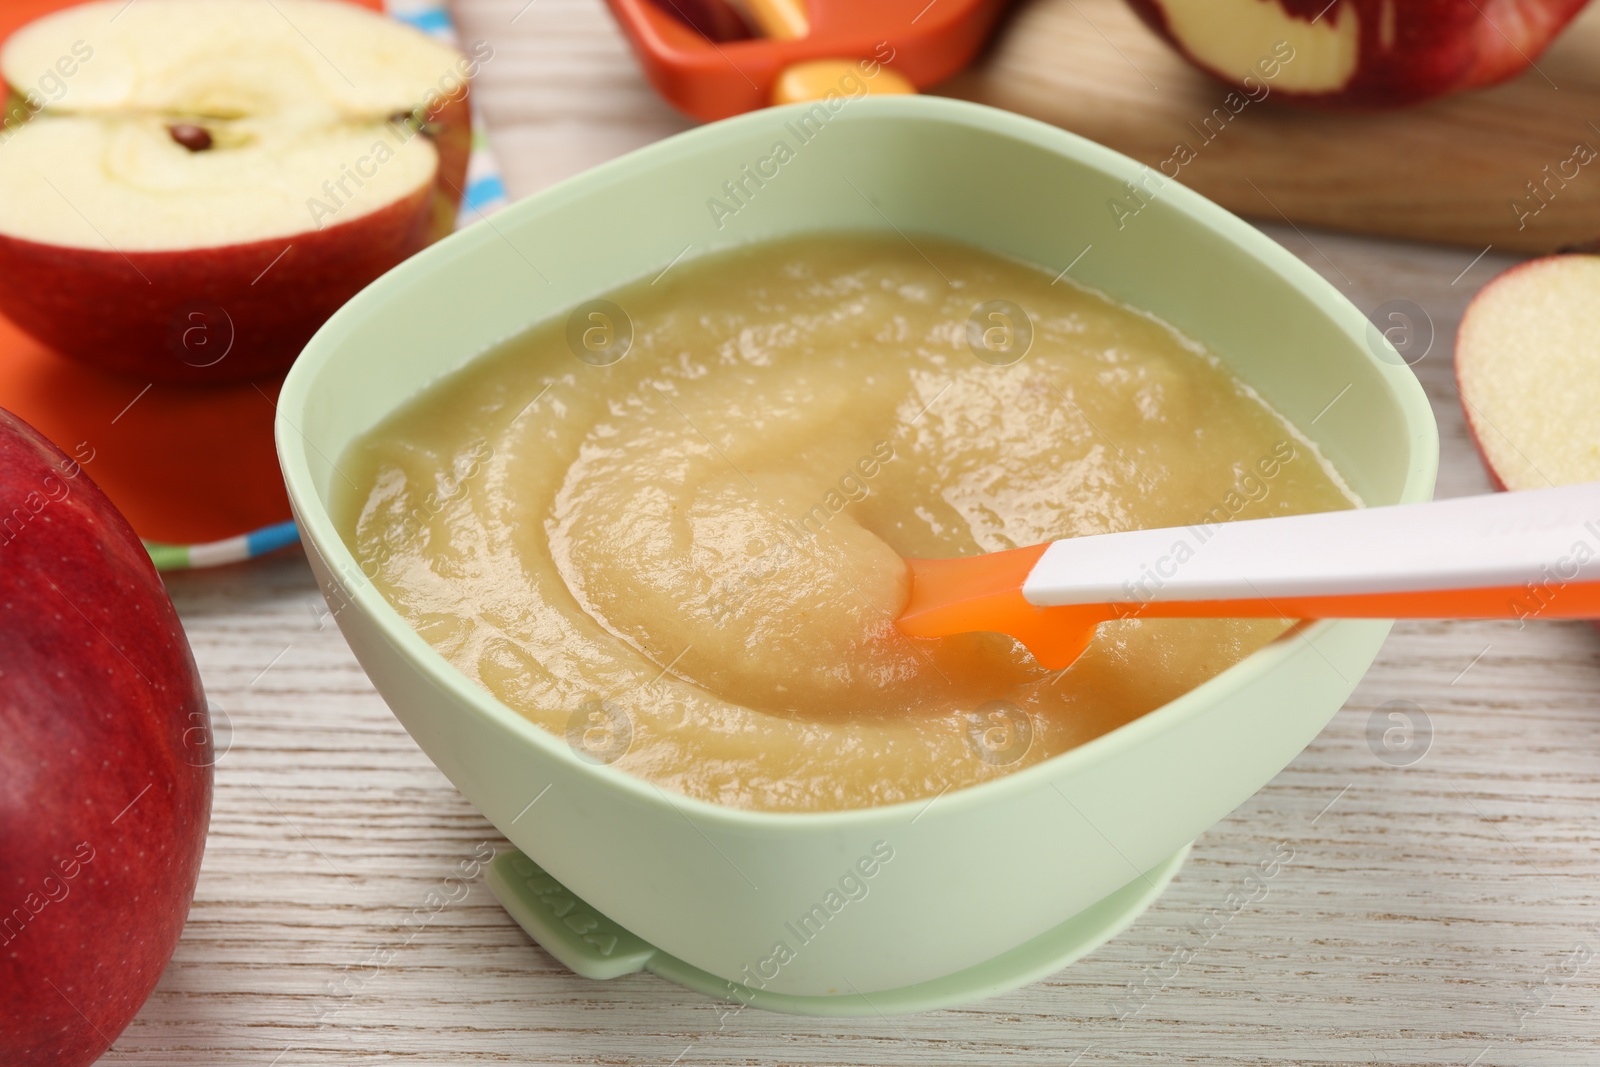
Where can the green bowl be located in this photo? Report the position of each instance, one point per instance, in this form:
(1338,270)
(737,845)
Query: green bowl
(985,887)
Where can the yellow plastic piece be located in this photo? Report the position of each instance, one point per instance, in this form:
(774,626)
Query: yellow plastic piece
(781,20)
(812,81)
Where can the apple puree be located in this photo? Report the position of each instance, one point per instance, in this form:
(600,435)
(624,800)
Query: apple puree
(688,561)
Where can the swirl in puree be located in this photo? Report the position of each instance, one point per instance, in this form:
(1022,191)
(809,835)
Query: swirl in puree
(688,561)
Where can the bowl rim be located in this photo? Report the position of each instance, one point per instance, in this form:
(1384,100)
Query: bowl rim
(317,525)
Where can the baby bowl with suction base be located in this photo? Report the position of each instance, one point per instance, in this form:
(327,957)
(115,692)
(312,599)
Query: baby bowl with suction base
(973,891)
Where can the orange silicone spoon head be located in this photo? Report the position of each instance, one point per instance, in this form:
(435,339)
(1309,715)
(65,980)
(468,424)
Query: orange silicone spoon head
(953,596)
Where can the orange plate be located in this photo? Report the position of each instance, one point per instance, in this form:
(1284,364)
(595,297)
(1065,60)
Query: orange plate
(186,464)
(926,42)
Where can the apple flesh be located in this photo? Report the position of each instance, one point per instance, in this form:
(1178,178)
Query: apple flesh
(1359,54)
(204,182)
(1528,372)
(105,766)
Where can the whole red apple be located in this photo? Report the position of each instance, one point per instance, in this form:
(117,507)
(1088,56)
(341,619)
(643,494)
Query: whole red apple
(105,763)
(1359,54)
(189,188)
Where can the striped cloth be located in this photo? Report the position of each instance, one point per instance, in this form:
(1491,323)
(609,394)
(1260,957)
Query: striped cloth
(485,193)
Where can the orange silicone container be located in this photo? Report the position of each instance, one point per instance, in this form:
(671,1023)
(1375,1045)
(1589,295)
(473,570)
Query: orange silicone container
(924,41)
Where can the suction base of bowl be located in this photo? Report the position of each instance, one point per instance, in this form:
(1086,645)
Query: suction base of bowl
(595,947)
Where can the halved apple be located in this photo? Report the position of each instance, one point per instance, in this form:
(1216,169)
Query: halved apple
(1528,372)
(189,188)
(1359,54)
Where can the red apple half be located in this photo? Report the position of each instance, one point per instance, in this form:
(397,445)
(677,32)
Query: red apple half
(1528,372)
(189,188)
(105,762)
(1359,54)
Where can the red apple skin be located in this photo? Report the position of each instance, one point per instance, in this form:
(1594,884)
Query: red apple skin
(1466,409)
(105,763)
(450,126)
(170,316)
(167,315)
(1439,47)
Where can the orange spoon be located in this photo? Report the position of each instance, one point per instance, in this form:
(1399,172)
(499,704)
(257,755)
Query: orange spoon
(1500,556)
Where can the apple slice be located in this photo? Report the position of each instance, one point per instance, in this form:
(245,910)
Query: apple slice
(1528,372)
(189,188)
(1359,54)
(105,761)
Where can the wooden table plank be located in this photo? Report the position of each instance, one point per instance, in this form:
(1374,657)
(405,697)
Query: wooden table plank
(1421,906)
(1460,169)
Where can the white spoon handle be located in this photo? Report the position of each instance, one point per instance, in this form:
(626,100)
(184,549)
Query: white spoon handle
(1548,537)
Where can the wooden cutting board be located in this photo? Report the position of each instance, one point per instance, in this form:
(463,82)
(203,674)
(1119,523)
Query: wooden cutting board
(1455,171)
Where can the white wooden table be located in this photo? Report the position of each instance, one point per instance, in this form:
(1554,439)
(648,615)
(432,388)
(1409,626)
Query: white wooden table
(1429,914)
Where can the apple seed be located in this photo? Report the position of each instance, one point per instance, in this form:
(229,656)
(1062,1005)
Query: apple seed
(194,138)
(415,121)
